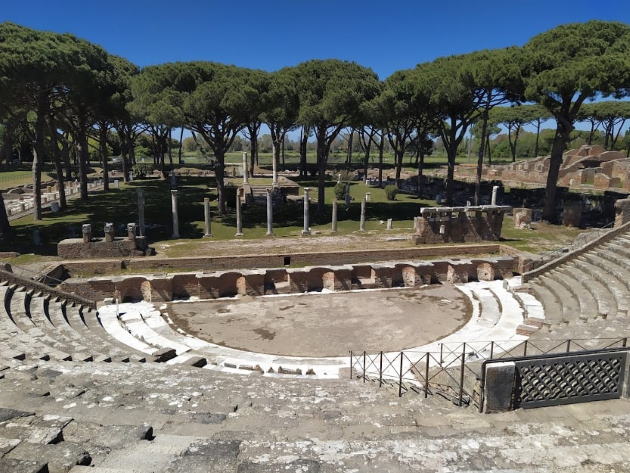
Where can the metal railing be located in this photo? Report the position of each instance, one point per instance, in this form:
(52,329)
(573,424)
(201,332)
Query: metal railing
(454,370)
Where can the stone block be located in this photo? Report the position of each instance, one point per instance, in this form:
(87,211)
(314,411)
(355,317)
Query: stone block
(522,217)
(499,386)
(622,212)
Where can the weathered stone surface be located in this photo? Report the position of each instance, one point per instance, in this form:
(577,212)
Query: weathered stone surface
(59,457)
(499,387)
(6,414)
(10,465)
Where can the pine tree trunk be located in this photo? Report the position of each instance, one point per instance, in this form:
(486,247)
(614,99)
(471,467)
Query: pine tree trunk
(482,145)
(321,174)
(381,147)
(83,156)
(103,152)
(219,171)
(560,141)
(56,155)
(181,144)
(38,154)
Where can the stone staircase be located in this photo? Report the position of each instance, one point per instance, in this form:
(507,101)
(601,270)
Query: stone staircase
(58,416)
(39,326)
(590,284)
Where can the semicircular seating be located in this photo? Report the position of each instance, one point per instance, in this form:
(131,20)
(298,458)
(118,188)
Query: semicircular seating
(591,284)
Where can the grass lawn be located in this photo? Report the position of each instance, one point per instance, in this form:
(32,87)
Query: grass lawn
(9,179)
(119,206)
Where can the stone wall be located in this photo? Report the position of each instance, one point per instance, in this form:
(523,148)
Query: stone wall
(216,263)
(459,224)
(109,246)
(256,282)
(622,212)
(584,166)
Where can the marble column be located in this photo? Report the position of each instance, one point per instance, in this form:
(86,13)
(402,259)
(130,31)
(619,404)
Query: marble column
(495,191)
(269,213)
(239,217)
(175,214)
(307,227)
(206,217)
(363,205)
(140,193)
(245,181)
(334,216)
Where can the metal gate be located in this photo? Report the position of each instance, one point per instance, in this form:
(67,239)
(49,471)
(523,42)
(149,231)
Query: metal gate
(567,379)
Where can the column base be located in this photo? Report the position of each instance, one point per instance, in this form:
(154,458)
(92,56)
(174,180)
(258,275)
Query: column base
(207,235)
(269,234)
(238,234)
(306,232)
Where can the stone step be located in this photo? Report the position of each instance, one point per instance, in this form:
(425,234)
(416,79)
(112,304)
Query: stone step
(570,304)
(609,288)
(588,304)
(553,308)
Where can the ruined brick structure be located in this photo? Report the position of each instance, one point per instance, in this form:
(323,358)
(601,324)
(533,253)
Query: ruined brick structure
(590,166)
(109,246)
(459,224)
(257,282)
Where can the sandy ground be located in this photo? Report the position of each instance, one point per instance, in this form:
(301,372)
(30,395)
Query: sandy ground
(327,324)
(369,240)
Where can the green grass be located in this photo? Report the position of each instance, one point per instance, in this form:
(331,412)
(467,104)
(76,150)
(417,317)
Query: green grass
(10,179)
(119,206)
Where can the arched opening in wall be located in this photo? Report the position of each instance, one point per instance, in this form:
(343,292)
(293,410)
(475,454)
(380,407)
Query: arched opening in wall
(277,282)
(145,290)
(315,279)
(363,277)
(227,284)
(456,274)
(397,277)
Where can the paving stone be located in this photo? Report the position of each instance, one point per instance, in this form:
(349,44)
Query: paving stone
(6,414)
(10,465)
(60,457)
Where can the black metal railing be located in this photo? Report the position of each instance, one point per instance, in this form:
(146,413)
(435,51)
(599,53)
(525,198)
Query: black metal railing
(454,370)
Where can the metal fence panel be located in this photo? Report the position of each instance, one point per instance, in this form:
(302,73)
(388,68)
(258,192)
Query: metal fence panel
(569,379)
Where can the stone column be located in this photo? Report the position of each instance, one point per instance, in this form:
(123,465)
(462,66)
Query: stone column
(307,228)
(245,181)
(389,224)
(269,213)
(334,216)
(175,214)
(87,233)
(363,205)
(495,191)
(109,232)
(206,217)
(140,194)
(131,231)
(239,218)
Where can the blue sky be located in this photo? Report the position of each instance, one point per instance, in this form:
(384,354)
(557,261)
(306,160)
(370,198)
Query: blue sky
(384,35)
